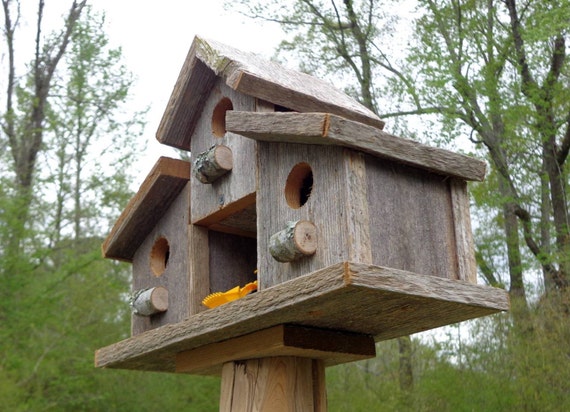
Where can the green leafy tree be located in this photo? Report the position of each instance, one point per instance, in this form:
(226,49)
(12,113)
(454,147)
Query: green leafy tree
(498,70)
(59,300)
(497,73)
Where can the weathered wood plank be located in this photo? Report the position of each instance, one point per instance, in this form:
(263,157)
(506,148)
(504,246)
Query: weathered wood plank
(235,190)
(157,192)
(333,347)
(249,74)
(182,111)
(358,211)
(411,219)
(277,384)
(367,299)
(329,129)
(467,266)
(324,207)
(198,268)
(171,231)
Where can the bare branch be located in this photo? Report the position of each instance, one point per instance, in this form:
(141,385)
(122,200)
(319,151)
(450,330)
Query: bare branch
(486,270)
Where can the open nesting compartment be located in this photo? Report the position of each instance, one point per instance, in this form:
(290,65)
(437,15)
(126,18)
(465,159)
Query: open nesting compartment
(224,195)
(232,260)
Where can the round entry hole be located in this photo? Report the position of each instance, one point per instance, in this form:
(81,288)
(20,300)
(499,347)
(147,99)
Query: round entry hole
(299,185)
(219,117)
(159,255)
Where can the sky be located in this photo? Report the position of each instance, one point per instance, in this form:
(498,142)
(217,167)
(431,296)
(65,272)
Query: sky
(155,40)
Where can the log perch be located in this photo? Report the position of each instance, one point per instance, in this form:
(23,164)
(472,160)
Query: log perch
(297,240)
(213,164)
(150,301)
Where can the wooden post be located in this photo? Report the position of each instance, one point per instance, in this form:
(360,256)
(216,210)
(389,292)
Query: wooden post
(284,383)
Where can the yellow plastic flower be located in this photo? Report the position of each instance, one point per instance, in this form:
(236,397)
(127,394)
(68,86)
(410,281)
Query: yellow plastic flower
(219,298)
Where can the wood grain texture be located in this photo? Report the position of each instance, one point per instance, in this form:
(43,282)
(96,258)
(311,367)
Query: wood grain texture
(329,129)
(357,209)
(198,268)
(277,384)
(213,164)
(249,74)
(243,222)
(325,207)
(411,219)
(296,241)
(367,299)
(467,266)
(155,195)
(183,109)
(172,226)
(333,347)
(214,202)
(150,301)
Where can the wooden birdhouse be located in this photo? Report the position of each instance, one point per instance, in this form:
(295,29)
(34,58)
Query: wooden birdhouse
(352,235)
(152,234)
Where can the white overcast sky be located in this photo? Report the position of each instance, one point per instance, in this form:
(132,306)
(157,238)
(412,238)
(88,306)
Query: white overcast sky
(155,38)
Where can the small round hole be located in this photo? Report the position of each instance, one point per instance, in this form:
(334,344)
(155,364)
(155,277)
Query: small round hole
(159,255)
(219,117)
(299,185)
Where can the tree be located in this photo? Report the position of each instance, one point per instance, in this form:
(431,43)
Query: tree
(25,112)
(502,76)
(59,299)
(493,70)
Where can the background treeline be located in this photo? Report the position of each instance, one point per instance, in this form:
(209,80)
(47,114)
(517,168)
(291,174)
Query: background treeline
(487,77)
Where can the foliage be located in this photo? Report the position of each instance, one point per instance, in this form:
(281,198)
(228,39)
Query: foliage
(485,70)
(59,300)
(494,74)
(489,364)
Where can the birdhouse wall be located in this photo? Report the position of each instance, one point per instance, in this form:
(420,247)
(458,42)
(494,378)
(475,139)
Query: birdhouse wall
(366,209)
(418,221)
(327,206)
(162,260)
(217,204)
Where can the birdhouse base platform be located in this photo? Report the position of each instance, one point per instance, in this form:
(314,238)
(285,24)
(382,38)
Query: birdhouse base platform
(352,303)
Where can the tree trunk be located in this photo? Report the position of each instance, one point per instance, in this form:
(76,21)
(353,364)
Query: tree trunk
(511,228)
(406,371)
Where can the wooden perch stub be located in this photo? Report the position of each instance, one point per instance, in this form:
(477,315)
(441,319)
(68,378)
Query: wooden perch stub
(213,164)
(297,240)
(147,302)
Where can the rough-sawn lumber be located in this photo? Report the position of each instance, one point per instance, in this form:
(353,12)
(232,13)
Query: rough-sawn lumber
(329,129)
(249,74)
(352,297)
(157,192)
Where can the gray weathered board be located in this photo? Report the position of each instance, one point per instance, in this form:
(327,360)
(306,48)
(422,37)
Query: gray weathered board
(157,192)
(366,209)
(329,129)
(359,298)
(235,191)
(174,227)
(253,76)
